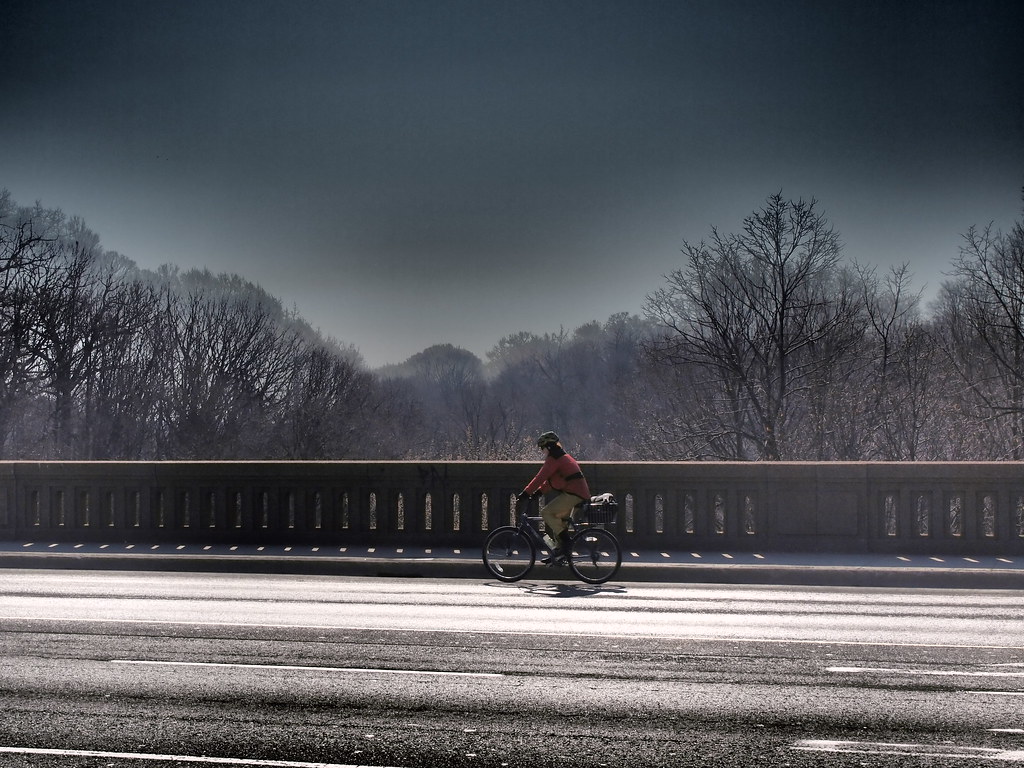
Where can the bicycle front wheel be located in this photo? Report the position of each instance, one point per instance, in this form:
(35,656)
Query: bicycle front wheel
(508,553)
(596,555)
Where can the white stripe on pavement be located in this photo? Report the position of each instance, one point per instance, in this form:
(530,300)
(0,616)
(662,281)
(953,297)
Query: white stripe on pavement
(174,758)
(923,672)
(908,750)
(305,668)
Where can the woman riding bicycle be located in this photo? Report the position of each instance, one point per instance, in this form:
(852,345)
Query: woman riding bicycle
(559,473)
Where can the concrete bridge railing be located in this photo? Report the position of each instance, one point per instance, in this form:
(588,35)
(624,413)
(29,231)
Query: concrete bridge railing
(941,508)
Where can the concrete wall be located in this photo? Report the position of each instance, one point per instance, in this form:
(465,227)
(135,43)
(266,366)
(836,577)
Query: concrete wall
(945,508)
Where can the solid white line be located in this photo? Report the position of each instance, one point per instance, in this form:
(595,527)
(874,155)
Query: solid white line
(519,633)
(305,668)
(997,693)
(908,750)
(174,758)
(931,672)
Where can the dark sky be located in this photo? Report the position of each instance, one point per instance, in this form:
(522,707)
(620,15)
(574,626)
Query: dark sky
(415,172)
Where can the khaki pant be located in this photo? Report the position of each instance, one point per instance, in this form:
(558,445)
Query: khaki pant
(557,511)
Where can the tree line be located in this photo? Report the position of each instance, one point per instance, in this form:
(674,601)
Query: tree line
(765,344)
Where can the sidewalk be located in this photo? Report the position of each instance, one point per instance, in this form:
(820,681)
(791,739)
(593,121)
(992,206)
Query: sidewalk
(806,569)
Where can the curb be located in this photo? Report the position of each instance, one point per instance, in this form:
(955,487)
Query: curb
(908,577)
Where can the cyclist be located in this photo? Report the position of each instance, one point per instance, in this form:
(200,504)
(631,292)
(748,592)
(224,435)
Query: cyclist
(560,474)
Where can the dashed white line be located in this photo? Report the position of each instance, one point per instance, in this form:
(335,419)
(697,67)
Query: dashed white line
(909,750)
(925,672)
(173,758)
(354,670)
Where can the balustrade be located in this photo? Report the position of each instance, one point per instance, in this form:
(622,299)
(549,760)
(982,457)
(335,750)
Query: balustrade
(950,508)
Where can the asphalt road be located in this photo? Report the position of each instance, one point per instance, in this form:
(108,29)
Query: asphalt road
(168,669)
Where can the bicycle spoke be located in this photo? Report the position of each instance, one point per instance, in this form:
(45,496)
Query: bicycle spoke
(596,556)
(508,554)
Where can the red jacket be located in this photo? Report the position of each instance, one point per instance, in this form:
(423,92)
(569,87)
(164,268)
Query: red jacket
(560,474)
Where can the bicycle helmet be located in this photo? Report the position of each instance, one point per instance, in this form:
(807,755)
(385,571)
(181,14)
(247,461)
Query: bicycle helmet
(547,440)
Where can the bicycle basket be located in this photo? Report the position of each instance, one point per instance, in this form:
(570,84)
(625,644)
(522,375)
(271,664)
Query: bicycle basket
(602,510)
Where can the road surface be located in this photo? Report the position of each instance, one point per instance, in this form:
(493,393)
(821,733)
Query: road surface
(168,669)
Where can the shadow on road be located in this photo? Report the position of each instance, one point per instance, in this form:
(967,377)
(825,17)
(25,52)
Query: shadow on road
(573,590)
(561,590)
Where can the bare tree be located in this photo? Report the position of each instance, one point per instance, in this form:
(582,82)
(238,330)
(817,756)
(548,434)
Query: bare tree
(71,324)
(119,403)
(226,364)
(762,315)
(25,254)
(449,383)
(897,392)
(984,328)
(330,407)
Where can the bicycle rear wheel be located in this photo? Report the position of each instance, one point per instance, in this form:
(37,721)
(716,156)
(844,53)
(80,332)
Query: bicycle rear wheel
(596,555)
(508,553)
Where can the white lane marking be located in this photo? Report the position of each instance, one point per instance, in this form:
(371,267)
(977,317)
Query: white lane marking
(908,750)
(357,670)
(997,693)
(172,758)
(1006,730)
(931,672)
(517,633)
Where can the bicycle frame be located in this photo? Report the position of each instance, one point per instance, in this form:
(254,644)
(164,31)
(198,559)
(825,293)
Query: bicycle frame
(531,526)
(510,551)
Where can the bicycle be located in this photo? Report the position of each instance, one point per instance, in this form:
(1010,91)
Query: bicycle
(510,551)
